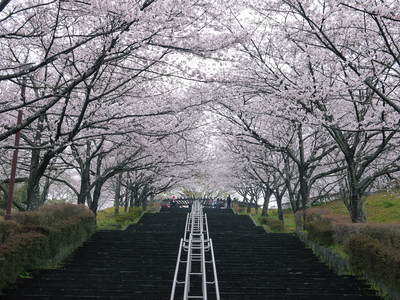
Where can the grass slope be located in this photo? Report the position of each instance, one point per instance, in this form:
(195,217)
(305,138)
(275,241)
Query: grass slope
(380,207)
(107,221)
(289,225)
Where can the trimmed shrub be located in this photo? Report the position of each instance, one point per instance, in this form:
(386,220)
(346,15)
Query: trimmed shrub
(35,239)
(321,231)
(8,228)
(387,234)
(18,254)
(319,224)
(275,225)
(51,214)
(379,261)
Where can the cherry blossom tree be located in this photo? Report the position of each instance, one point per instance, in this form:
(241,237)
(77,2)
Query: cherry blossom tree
(309,66)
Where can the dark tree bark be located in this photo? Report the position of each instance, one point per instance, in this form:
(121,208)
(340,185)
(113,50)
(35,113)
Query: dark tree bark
(85,173)
(267,197)
(3,4)
(117,197)
(126,199)
(279,204)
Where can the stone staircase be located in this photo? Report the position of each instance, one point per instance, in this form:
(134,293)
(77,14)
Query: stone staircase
(139,264)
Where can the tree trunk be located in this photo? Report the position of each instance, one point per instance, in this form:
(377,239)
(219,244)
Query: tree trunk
(137,197)
(143,196)
(96,196)
(126,200)
(33,189)
(267,197)
(357,209)
(291,192)
(45,192)
(355,206)
(98,186)
(302,169)
(280,210)
(303,192)
(85,175)
(85,182)
(131,200)
(248,210)
(117,196)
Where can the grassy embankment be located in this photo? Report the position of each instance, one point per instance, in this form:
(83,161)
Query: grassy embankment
(380,208)
(271,222)
(106,220)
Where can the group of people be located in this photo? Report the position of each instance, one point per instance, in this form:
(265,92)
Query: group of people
(216,203)
(220,203)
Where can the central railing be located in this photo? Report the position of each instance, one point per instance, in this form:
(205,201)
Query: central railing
(195,253)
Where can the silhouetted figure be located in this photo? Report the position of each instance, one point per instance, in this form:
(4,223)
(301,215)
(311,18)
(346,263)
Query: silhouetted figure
(214,203)
(220,203)
(228,202)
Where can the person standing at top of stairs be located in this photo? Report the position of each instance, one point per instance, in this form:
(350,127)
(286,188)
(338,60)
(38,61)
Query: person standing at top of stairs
(228,202)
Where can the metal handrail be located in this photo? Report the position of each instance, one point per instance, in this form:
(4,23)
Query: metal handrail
(178,261)
(214,271)
(196,238)
(203,270)
(188,270)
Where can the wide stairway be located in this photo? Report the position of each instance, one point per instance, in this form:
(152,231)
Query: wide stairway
(139,264)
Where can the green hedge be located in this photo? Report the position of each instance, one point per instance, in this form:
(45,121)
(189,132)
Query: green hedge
(273,224)
(374,258)
(372,249)
(318,224)
(39,238)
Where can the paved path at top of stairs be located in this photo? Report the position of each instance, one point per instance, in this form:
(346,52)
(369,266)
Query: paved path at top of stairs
(139,263)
